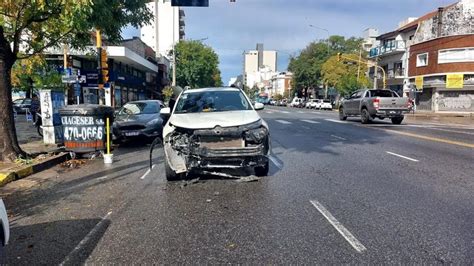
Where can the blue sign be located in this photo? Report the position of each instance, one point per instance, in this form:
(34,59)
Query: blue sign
(77,89)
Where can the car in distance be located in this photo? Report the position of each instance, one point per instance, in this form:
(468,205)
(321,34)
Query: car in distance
(311,103)
(325,104)
(138,119)
(296,102)
(212,129)
(377,103)
(22,105)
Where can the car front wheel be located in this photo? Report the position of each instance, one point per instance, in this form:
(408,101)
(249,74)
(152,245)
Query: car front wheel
(170,174)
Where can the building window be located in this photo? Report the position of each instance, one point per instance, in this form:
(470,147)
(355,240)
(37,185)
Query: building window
(456,55)
(422,60)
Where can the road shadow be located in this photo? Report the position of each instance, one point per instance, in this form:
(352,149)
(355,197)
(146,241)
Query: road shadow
(53,242)
(321,138)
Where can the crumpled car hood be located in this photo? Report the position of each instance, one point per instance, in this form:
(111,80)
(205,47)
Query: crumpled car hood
(209,120)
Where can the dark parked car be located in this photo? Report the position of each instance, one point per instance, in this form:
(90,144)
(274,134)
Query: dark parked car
(138,119)
(22,105)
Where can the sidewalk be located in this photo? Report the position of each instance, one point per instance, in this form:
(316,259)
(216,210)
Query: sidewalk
(444,118)
(32,143)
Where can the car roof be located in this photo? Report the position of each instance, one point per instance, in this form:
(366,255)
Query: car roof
(211,89)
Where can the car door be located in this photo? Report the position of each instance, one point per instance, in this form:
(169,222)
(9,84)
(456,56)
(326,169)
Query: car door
(349,103)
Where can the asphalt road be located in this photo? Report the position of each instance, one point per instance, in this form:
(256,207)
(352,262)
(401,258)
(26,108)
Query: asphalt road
(338,192)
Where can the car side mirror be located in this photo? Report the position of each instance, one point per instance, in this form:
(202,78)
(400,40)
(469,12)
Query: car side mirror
(259,106)
(165,111)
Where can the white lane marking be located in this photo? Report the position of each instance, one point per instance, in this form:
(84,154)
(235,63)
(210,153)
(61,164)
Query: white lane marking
(401,156)
(269,112)
(86,239)
(301,112)
(309,121)
(285,112)
(275,162)
(147,172)
(336,121)
(283,122)
(356,244)
(103,177)
(337,137)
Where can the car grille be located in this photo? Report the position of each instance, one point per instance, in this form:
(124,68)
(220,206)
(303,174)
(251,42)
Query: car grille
(132,127)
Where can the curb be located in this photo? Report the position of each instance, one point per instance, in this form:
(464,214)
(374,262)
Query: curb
(7,177)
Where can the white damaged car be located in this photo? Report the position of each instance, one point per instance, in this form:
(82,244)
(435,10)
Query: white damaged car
(212,129)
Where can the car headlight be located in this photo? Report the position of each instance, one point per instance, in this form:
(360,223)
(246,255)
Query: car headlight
(257,135)
(153,122)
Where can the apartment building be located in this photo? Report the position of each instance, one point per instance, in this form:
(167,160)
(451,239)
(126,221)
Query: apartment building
(166,28)
(259,66)
(435,54)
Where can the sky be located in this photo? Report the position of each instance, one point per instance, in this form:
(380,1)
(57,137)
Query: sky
(283,25)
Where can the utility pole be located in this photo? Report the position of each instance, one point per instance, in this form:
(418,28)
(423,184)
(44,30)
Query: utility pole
(375,74)
(358,67)
(174,51)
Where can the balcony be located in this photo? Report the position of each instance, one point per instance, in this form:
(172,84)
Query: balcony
(388,48)
(396,73)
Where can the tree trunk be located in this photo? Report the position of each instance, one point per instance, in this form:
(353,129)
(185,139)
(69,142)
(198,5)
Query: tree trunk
(11,149)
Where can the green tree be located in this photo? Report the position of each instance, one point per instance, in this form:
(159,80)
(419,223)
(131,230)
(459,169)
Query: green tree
(34,72)
(41,24)
(343,75)
(307,66)
(197,65)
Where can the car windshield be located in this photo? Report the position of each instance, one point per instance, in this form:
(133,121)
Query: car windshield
(212,101)
(138,108)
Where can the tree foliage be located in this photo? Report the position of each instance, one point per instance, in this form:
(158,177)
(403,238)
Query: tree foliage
(343,75)
(35,26)
(307,66)
(197,65)
(34,72)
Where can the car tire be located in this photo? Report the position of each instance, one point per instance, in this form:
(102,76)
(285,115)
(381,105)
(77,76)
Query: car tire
(170,174)
(262,170)
(397,120)
(365,116)
(342,115)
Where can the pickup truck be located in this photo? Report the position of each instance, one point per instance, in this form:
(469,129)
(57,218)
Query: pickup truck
(377,103)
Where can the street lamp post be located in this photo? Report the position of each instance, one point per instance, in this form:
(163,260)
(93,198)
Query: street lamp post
(329,53)
(316,27)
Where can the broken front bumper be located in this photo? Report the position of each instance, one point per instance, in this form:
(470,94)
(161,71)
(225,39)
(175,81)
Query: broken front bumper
(228,157)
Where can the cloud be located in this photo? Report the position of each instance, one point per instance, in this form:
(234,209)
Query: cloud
(283,25)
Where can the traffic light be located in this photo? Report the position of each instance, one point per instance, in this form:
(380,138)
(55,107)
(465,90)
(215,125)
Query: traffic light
(339,57)
(104,68)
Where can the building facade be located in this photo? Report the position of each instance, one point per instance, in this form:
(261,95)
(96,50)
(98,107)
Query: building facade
(441,60)
(134,73)
(162,33)
(391,53)
(433,53)
(281,84)
(257,64)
